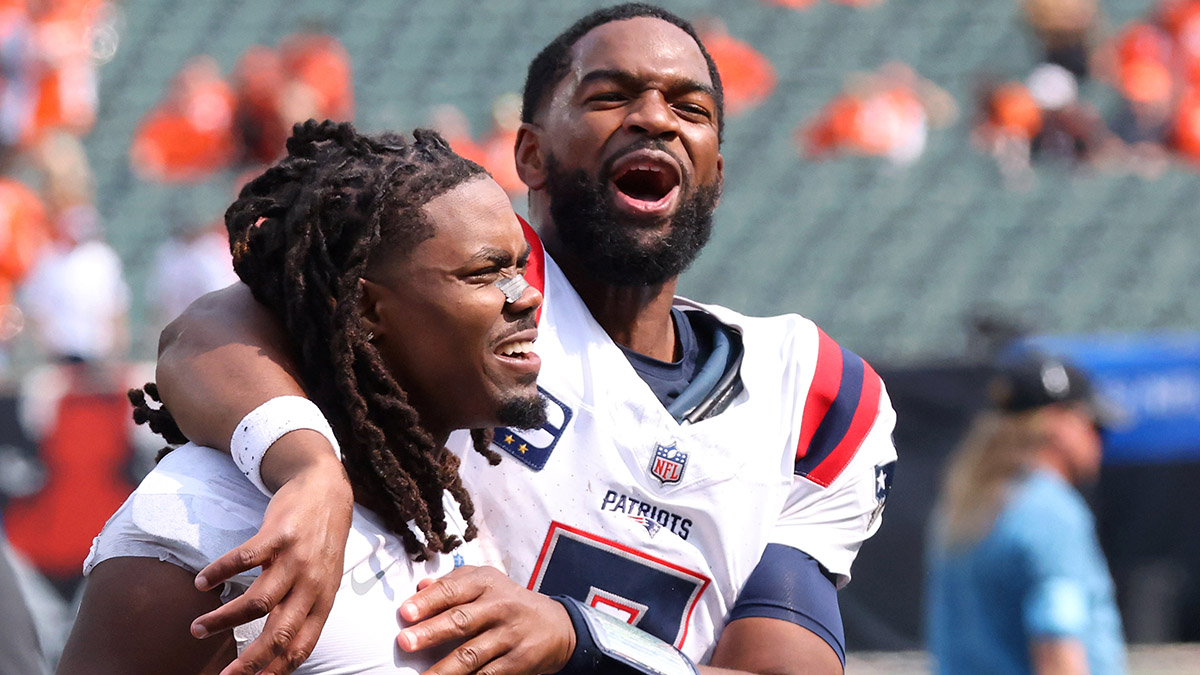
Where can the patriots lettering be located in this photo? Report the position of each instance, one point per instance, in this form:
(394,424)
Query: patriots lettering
(617,502)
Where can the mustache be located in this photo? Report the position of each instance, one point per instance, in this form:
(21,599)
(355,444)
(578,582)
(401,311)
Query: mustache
(525,322)
(641,144)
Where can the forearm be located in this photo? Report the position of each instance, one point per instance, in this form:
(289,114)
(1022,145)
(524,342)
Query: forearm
(772,647)
(714,670)
(1058,657)
(223,357)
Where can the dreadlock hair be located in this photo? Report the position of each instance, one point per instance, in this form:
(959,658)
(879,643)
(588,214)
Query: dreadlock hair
(158,418)
(551,64)
(303,234)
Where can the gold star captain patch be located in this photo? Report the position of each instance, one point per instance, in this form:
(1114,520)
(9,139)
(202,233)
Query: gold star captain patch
(532,447)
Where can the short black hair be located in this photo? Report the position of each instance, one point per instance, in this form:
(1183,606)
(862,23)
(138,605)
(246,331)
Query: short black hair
(551,64)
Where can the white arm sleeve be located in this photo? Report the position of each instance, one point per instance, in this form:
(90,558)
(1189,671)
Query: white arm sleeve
(831,523)
(192,508)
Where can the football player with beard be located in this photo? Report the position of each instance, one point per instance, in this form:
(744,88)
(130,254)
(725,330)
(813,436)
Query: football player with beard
(703,475)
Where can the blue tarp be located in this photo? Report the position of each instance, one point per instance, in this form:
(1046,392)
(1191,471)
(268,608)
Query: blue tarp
(1154,379)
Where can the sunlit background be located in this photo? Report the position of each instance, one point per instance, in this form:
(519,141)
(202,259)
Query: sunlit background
(934,182)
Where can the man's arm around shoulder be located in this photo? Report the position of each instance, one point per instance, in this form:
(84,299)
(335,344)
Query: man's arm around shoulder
(221,359)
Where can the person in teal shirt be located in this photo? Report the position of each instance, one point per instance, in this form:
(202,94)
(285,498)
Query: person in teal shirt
(1016,581)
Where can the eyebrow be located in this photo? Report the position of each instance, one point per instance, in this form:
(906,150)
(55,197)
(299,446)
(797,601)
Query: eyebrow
(627,79)
(500,256)
(493,255)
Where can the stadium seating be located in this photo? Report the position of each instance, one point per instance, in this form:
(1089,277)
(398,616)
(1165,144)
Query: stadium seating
(889,260)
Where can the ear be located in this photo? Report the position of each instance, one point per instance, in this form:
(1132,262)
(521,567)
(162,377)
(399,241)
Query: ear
(368,306)
(531,165)
(721,173)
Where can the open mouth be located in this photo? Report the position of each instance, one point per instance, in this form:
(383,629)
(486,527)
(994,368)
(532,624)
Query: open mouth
(515,351)
(521,349)
(517,357)
(645,182)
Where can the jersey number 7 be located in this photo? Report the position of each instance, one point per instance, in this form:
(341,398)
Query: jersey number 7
(652,594)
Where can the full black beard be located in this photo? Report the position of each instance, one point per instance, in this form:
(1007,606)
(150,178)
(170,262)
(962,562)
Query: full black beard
(525,412)
(592,230)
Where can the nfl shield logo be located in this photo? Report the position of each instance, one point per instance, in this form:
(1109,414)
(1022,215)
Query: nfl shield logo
(668,464)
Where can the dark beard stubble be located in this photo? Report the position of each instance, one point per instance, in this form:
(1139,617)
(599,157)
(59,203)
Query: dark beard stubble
(592,230)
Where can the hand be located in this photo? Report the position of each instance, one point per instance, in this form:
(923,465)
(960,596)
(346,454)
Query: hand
(301,547)
(507,629)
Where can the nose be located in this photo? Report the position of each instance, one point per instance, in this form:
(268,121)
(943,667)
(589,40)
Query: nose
(530,300)
(651,115)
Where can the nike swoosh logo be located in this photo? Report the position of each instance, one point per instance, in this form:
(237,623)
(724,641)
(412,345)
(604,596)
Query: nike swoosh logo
(363,587)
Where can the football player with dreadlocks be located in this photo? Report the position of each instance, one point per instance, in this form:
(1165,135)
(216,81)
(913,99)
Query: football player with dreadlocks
(394,267)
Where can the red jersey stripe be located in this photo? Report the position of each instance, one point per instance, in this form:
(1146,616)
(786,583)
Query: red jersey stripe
(864,419)
(827,381)
(535,273)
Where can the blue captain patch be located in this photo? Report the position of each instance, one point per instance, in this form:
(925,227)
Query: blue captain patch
(532,447)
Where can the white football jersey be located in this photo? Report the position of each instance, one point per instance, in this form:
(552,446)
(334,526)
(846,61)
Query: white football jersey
(196,505)
(617,504)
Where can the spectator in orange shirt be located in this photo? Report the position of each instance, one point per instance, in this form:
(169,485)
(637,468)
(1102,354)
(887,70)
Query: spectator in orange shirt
(308,76)
(320,62)
(189,134)
(1185,133)
(499,159)
(260,126)
(1142,59)
(887,113)
(1181,20)
(1142,63)
(495,151)
(746,75)
(66,89)
(1009,119)
(453,125)
(832,129)
(24,234)
(1010,110)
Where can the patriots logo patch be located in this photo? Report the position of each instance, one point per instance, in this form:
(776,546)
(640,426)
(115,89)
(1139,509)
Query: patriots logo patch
(532,447)
(883,480)
(668,464)
(883,485)
(651,525)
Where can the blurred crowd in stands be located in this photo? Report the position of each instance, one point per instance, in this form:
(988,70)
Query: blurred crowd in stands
(58,275)
(206,122)
(1046,116)
(886,113)
(805,4)
(56,271)
(1153,65)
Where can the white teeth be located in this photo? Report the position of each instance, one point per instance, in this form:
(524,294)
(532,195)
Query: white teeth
(523,347)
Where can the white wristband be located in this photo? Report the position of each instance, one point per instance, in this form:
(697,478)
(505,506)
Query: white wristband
(267,423)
